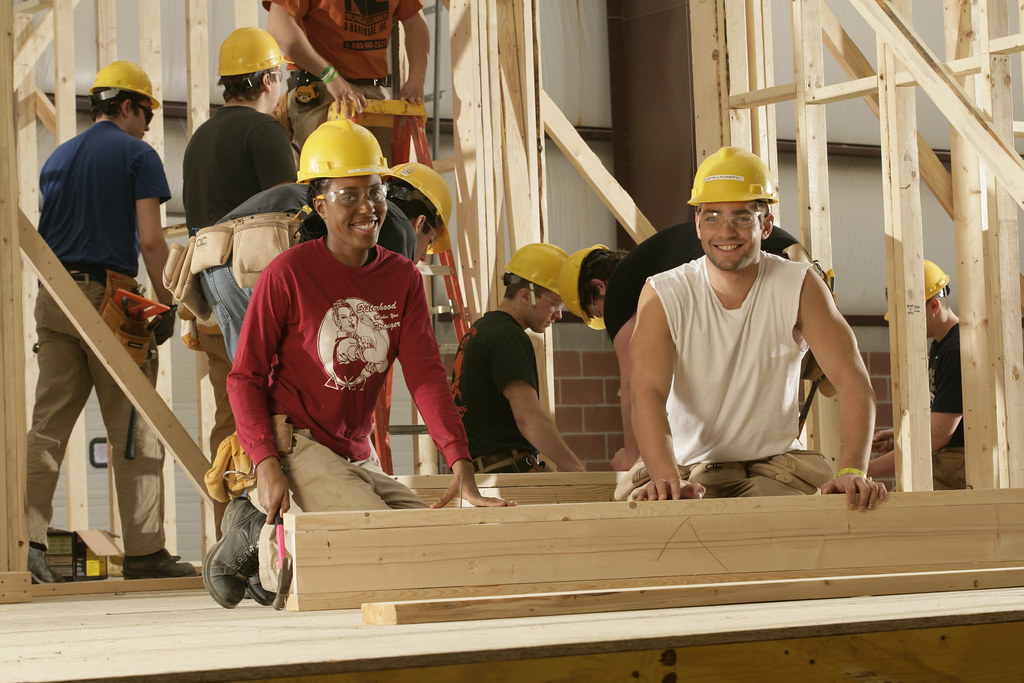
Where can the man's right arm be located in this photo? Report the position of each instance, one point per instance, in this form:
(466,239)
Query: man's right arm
(537,426)
(626,457)
(294,42)
(652,361)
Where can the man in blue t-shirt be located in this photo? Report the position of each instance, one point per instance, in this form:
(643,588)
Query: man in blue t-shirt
(102,192)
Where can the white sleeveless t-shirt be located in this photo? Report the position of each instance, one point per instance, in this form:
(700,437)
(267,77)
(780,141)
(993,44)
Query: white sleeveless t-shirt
(736,383)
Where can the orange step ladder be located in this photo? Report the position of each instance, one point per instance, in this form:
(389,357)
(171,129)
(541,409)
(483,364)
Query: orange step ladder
(408,124)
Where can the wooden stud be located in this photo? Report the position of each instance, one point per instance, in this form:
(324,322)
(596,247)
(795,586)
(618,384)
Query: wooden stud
(106,33)
(64,68)
(905,284)
(708,51)
(32,47)
(737,66)
(698,595)
(1002,269)
(14,532)
(197,44)
(247,13)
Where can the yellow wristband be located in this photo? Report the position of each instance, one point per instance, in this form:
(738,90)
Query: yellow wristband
(852,470)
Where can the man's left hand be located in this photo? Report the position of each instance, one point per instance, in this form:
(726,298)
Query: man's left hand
(861,493)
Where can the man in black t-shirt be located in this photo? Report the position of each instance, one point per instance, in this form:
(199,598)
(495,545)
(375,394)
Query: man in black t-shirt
(494,380)
(947,410)
(603,287)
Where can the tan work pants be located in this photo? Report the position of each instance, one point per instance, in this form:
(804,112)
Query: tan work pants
(788,474)
(68,372)
(321,480)
(304,119)
(948,471)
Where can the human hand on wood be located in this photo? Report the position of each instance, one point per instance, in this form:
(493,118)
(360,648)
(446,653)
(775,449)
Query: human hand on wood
(463,485)
(861,493)
(669,489)
(272,488)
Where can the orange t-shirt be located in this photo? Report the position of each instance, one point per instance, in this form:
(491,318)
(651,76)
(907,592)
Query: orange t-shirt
(355,41)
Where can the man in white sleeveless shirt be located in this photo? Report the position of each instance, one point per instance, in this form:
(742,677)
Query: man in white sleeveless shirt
(717,352)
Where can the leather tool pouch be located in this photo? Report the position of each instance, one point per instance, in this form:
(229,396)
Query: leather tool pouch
(256,241)
(183,282)
(133,334)
(805,471)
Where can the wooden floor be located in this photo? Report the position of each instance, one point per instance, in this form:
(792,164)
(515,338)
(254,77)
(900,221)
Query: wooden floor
(184,636)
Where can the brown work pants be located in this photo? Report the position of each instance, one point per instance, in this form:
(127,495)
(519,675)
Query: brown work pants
(788,474)
(948,471)
(68,372)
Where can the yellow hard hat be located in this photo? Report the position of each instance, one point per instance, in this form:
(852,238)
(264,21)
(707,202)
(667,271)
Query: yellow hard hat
(538,263)
(569,286)
(935,281)
(247,50)
(732,175)
(433,187)
(340,149)
(124,75)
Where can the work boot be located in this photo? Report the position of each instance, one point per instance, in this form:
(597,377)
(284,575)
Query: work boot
(255,590)
(158,565)
(235,557)
(41,572)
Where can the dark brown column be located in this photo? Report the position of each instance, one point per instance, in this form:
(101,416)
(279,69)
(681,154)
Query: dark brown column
(652,107)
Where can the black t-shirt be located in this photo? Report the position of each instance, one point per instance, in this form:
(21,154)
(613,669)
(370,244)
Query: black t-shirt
(946,383)
(238,152)
(494,353)
(396,234)
(668,249)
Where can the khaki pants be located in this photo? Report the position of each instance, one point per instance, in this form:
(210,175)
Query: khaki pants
(212,343)
(948,472)
(68,372)
(321,480)
(788,474)
(305,118)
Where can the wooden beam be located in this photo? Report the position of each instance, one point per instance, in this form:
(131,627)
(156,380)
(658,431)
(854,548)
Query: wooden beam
(114,357)
(198,68)
(13,474)
(905,283)
(343,559)
(64,69)
(940,85)
(699,595)
(970,225)
(30,50)
(118,586)
(247,13)
(856,65)
(593,171)
(46,112)
(708,54)
(106,33)
(547,488)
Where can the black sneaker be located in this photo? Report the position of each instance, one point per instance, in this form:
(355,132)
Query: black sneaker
(233,559)
(158,565)
(41,572)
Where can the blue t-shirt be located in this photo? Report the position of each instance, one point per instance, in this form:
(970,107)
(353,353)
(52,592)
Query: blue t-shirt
(90,185)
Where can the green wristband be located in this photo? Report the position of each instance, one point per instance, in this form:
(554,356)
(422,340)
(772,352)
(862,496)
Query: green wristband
(328,74)
(852,470)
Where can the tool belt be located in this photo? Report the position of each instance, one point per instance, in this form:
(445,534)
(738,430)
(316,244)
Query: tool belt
(637,477)
(519,461)
(232,473)
(305,85)
(135,335)
(250,243)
